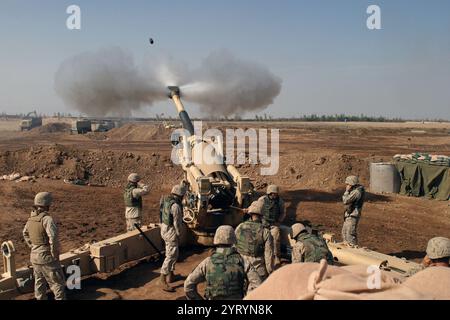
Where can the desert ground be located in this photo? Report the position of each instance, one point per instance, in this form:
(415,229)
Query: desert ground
(315,158)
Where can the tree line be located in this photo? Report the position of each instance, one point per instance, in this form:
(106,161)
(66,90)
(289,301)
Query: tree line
(257,117)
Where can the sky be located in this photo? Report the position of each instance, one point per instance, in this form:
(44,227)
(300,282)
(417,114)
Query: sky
(327,58)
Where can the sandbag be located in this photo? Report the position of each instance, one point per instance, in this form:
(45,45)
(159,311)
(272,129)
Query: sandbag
(314,281)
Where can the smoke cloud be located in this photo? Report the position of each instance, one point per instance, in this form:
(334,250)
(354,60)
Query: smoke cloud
(226,85)
(108,82)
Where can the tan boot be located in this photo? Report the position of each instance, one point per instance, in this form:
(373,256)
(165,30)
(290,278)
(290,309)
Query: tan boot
(164,285)
(171,277)
(276,263)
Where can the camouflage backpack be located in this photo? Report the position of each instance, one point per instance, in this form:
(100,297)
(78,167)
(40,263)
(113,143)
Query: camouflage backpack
(271,210)
(164,209)
(250,239)
(225,275)
(316,248)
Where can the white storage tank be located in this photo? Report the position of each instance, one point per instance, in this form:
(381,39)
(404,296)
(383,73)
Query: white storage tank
(384,178)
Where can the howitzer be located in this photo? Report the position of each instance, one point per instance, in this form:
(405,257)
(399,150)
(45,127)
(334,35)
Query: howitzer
(214,190)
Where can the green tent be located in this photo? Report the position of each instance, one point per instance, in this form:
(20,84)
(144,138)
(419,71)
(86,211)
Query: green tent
(420,179)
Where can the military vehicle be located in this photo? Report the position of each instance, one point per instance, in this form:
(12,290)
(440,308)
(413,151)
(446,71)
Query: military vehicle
(102,126)
(81,126)
(30,121)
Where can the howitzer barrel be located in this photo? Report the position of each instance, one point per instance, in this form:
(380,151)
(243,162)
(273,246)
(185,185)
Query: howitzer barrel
(346,255)
(196,173)
(174,94)
(233,172)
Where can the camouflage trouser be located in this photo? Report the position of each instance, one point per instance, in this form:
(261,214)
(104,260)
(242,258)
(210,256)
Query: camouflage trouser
(349,234)
(132,221)
(171,241)
(276,235)
(256,271)
(52,275)
(226,298)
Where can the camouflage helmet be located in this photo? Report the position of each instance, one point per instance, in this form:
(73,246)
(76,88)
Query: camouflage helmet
(255,208)
(225,236)
(352,180)
(178,190)
(43,199)
(438,248)
(296,229)
(272,189)
(134,177)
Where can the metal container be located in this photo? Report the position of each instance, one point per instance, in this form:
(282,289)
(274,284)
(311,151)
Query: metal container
(384,178)
(117,124)
(81,126)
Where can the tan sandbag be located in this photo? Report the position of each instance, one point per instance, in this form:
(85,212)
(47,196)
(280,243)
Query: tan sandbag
(288,283)
(386,277)
(433,282)
(352,285)
(313,281)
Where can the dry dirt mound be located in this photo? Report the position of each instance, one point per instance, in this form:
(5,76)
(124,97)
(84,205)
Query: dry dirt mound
(140,132)
(311,170)
(109,168)
(55,127)
(99,136)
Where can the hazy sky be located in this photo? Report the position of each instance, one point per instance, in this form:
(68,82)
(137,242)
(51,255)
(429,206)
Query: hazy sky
(322,50)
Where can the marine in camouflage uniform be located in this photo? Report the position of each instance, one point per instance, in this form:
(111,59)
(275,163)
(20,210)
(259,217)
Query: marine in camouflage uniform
(255,245)
(171,215)
(309,247)
(133,201)
(223,271)
(438,254)
(41,235)
(353,200)
(273,212)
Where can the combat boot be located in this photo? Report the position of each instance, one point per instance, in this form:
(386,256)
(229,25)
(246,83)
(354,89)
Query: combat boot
(171,277)
(164,285)
(276,263)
